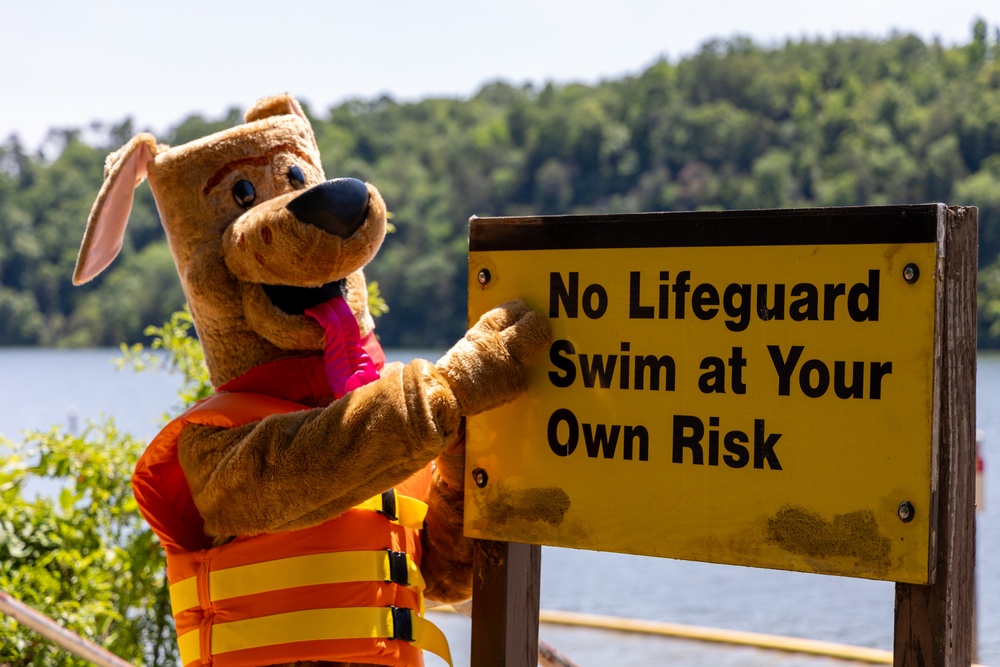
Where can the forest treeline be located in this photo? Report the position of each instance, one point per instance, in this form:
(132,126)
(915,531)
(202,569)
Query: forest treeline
(850,121)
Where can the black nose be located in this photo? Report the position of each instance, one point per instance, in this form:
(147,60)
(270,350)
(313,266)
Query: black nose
(339,206)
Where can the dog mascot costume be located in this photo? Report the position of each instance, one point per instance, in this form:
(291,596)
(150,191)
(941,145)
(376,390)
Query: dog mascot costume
(309,506)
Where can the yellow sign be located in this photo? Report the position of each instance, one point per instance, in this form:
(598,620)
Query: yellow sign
(711,397)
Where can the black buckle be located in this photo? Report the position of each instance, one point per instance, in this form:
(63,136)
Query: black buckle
(389,504)
(398,568)
(402,624)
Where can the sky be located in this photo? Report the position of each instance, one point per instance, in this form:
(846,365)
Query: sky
(66,63)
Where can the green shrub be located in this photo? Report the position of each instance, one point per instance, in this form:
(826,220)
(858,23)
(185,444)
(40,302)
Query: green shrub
(72,542)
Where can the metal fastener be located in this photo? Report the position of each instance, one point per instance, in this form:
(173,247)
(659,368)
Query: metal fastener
(911,273)
(905,511)
(484,276)
(480,476)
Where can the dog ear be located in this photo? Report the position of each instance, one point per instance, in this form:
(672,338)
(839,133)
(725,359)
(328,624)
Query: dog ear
(123,171)
(280,105)
(276,105)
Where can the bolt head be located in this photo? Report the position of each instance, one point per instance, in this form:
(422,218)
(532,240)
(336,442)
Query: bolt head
(484,276)
(905,511)
(911,273)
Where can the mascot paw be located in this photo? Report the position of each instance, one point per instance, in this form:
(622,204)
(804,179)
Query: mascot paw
(487,367)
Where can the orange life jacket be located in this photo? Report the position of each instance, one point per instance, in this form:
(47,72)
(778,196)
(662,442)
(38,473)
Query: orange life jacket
(346,590)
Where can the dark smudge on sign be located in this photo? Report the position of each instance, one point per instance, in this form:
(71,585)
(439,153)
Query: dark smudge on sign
(548,504)
(853,535)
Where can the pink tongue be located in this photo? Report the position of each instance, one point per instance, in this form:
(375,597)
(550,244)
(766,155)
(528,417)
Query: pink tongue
(348,366)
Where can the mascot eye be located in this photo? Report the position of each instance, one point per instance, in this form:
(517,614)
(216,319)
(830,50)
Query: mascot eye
(244,194)
(296,177)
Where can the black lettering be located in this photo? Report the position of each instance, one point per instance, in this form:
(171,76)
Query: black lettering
(563,416)
(857,387)
(739,312)
(738,363)
(822,378)
(681,288)
(830,294)
(663,311)
(692,441)
(807,307)
(635,310)
(763,449)
(878,370)
(870,292)
(559,293)
(739,455)
(624,372)
(655,365)
(713,442)
(785,367)
(598,440)
(556,351)
(633,433)
(705,301)
(589,309)
(713,380)
(598,370)
(775,312)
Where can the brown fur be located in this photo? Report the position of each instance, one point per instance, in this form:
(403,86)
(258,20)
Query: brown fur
(297,470)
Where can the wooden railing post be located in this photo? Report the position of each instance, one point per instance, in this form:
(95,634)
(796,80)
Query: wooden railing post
(934,622)
(505,597)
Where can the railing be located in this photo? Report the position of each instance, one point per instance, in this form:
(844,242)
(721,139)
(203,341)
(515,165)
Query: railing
(57,634)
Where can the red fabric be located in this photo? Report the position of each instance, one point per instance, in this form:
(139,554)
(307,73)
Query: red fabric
(374,350)
(301,379)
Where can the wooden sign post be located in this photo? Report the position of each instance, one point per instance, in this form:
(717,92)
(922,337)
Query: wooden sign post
(934,622)
(788,389)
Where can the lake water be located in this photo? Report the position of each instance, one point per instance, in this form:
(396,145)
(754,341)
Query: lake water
(42,388)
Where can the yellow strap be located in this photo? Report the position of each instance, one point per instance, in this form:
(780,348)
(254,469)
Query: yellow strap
(183,595)
(320,624)
(429,637)
(411,512)
(331,568)
(311,570)
(189,646)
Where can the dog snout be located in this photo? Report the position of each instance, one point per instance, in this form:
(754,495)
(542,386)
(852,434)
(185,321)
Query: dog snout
(338,206)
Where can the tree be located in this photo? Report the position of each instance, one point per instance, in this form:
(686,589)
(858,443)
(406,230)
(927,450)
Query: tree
(852,121)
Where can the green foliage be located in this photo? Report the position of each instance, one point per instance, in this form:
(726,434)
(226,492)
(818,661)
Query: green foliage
(72,542)
(851,121)
(376,304)
(73,546)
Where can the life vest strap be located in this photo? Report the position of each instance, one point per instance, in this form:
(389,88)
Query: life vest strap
(310,570)
(408,512)
(387,623)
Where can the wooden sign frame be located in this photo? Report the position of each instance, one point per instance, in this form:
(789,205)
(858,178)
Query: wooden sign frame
(933,622)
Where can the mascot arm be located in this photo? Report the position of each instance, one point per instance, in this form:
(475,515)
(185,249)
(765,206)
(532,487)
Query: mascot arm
(447,561)
(299,469)
(485,369)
